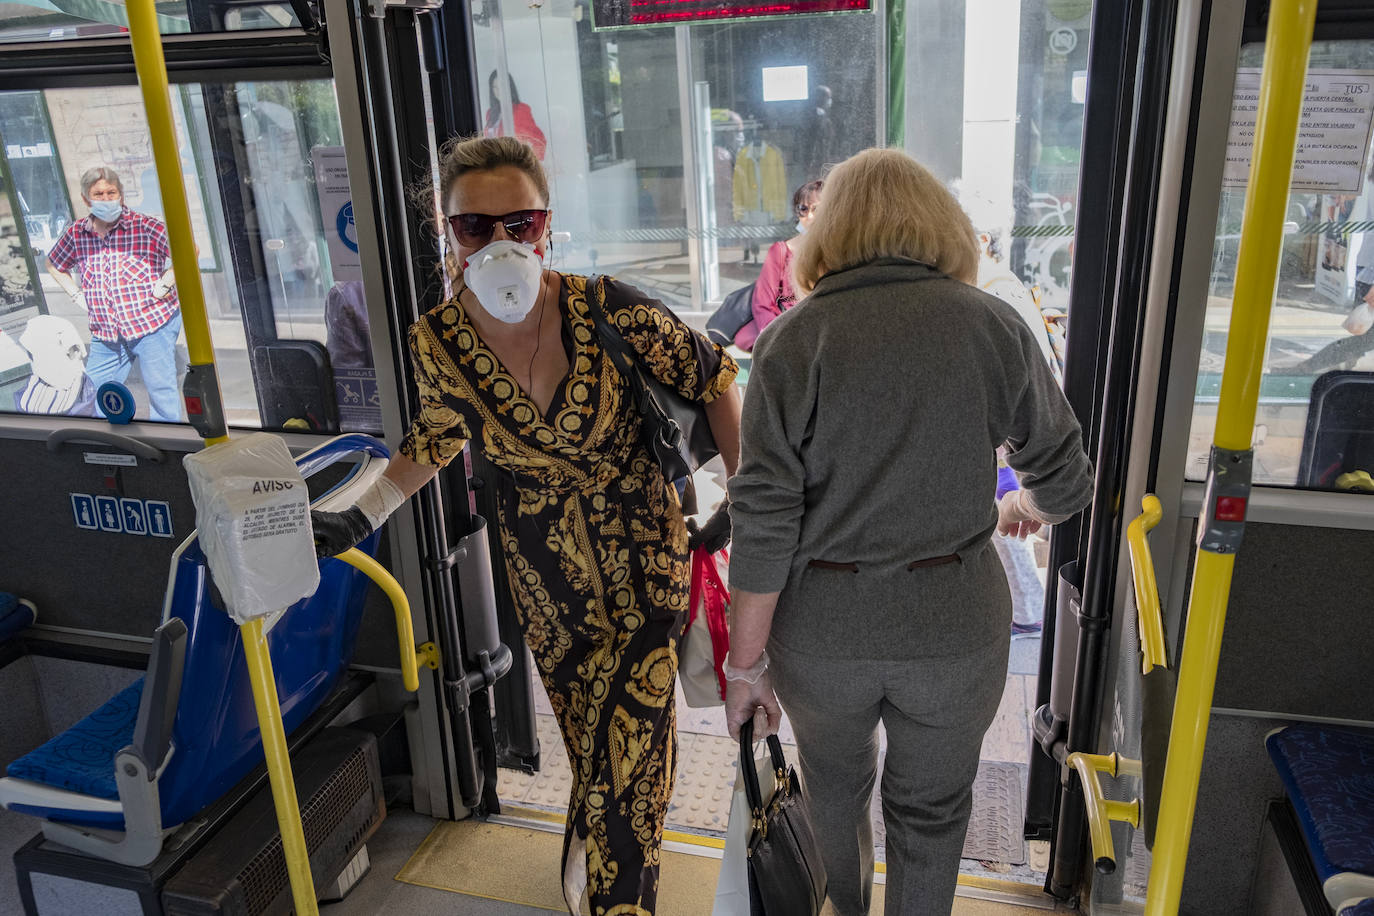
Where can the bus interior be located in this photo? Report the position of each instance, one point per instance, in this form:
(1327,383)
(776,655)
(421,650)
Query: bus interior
(1102,151)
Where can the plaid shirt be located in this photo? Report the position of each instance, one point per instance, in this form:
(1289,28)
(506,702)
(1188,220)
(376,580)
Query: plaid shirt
(117,272)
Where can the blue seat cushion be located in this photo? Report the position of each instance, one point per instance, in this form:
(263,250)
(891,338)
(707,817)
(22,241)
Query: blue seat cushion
(14,616)
(82,758)
(1364,908)
(1329,775)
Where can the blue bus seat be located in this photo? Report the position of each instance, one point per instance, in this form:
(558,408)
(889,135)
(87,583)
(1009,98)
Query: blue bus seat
(1328,773)
(200,714)
(1364,907)
(16,615)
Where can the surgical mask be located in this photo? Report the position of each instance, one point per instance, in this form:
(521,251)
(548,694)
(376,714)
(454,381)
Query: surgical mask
(106,210)
(505,277)
(801,227)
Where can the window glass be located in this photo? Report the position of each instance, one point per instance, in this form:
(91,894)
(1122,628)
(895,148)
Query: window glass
(262,164)
(1315,423)
(64,20)
(675,153)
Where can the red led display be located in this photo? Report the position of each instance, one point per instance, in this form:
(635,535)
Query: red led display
(613,14)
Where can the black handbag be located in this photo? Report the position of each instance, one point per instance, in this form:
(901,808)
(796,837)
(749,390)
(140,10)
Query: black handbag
(736,310)
(674,429)
(786,874)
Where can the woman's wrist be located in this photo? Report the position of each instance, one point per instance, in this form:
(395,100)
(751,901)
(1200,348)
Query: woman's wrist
(749,675)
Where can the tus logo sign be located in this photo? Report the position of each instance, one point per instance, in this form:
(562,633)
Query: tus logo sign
(347,228)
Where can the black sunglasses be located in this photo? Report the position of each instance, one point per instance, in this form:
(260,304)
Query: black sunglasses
(474,230)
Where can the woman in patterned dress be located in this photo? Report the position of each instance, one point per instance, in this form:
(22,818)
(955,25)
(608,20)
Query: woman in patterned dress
(596,546)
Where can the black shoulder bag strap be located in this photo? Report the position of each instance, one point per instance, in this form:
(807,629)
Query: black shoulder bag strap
(662,434)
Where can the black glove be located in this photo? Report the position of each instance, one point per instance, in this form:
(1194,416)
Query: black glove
(336,532)
(713,535)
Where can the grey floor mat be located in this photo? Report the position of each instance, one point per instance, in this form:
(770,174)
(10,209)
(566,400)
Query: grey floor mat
(994,828)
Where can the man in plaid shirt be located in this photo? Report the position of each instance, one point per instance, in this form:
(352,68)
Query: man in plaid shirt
(117,265)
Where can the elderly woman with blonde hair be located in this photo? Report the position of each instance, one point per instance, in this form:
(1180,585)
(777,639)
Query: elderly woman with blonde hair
(863,512)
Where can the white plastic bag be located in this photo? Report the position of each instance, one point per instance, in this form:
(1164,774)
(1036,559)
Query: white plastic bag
(732,887)
(1360,319)
(253,516)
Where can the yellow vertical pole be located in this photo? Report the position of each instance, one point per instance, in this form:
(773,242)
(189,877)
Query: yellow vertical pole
(202,388)
(1287,44)
(152,80)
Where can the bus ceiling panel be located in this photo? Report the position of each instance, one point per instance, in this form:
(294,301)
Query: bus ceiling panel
(283,54)
(1336,20)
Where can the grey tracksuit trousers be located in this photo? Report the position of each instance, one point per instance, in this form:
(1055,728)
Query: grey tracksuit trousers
(935,712)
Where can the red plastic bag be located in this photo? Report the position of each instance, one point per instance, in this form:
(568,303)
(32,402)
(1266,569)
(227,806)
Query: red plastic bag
(706,636)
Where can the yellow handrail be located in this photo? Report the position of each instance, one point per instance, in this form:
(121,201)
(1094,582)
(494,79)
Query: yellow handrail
(1101,810)
(411,655)
(1287,44)
(1152,651)
(152,80)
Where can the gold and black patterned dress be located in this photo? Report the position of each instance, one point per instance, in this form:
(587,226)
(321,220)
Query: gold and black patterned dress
(596,554)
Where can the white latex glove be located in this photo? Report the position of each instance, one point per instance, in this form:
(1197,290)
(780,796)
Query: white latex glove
(161,290)
(1013,520)
(744,700)
(80,299)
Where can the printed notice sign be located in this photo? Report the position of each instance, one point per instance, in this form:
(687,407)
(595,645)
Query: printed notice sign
(336,209)
(1333,135)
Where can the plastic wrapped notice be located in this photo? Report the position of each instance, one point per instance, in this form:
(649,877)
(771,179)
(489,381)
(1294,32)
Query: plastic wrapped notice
(253,516)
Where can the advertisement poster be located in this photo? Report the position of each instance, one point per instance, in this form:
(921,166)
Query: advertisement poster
(1333,134)
(1333,253)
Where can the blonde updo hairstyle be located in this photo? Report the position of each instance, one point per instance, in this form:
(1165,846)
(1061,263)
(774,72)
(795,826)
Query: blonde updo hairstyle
(461,155)
(881,203)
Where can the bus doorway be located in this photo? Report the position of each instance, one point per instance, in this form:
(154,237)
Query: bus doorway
(673,154)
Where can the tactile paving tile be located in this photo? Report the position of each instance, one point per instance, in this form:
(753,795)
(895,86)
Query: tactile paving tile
(1137,865)
(994,827)
(551,787)
(705,784)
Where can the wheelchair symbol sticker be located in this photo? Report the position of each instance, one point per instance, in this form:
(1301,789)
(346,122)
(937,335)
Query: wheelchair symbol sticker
(347,228)
(116,403)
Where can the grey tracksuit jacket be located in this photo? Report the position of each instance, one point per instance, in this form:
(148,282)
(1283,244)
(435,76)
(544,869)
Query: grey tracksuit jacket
(869,434)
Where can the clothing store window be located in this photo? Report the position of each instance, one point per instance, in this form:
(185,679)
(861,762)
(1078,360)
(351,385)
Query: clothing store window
(102,300)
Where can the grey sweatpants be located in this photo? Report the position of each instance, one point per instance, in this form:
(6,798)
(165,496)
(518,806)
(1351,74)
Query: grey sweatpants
(935,712)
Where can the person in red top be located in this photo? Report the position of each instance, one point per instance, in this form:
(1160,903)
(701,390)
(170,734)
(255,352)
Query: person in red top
(773,290)
(525,128)
(117,266)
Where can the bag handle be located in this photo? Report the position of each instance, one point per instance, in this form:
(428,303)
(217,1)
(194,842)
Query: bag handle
(750,774)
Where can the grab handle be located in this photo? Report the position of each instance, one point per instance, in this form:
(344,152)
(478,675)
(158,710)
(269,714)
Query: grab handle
(412,656)
(1102,811)
(1152,651)
(60,437)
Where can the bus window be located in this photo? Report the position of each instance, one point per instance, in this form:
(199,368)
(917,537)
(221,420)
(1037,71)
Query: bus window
(46,22)
(276,298)
(674,153)
(1315,424)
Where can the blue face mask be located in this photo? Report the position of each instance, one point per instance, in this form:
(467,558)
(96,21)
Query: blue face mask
(800,228)
(106,210)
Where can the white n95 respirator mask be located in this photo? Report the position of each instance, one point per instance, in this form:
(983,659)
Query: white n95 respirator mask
(505,277)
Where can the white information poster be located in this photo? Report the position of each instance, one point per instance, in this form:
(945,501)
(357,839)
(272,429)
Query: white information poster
(336,210)
(1333,135)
